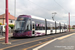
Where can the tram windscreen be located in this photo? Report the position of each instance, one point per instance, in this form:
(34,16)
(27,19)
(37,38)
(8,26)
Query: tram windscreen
(19,25)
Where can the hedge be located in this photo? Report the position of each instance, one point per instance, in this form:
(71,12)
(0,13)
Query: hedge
(11,26)
(0,23)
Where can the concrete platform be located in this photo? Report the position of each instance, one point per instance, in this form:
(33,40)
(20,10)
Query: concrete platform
(2,37)
(62,43)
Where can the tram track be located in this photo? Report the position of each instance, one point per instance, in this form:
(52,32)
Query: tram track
(11,39)
(14,39)
(42,40)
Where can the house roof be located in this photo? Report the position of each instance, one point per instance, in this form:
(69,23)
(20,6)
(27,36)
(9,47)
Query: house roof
(73,26)
(10,16)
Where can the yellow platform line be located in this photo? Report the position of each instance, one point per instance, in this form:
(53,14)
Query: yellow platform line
(43,44)
(60,38)
(34,45)
(16,40)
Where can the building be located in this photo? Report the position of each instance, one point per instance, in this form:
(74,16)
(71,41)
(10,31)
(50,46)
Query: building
(73,26)
(11,19)
(70,26)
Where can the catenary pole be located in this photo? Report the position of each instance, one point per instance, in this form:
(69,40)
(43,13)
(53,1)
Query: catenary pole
(6,33)
(69,22)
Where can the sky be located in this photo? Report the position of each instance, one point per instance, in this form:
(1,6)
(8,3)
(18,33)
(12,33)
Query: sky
(42,8)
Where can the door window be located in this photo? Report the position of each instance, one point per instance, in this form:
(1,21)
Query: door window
(28,25)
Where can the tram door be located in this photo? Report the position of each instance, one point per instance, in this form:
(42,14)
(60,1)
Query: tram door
(33,28)
(62,28)
(51,29)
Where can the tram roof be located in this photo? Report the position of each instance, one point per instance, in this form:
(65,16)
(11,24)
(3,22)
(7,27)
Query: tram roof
(36,17)
(50,20)
(40,18)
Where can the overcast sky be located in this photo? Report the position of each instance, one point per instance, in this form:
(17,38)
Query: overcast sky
(42,8)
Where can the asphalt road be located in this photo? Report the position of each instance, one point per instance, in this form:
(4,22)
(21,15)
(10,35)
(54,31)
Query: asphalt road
(28,43)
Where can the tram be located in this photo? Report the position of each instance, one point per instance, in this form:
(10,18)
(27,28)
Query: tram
(29,25)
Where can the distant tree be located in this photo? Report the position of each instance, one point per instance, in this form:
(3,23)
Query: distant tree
(0,23)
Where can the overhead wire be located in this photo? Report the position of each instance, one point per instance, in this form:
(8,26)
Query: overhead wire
(39,6)
(60,6)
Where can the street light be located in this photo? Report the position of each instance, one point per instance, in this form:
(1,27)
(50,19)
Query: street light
(15,9)
(53,14)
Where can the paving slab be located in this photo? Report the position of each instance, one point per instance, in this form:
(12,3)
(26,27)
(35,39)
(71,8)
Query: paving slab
(64,44)
(2,37)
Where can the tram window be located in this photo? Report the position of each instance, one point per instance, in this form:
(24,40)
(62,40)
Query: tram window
(33,26)
(58,26)
(38,27)
(62,27)
(28,25)
(65,27)
(48,28)
(43,28)
(33,32)
(53,27)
